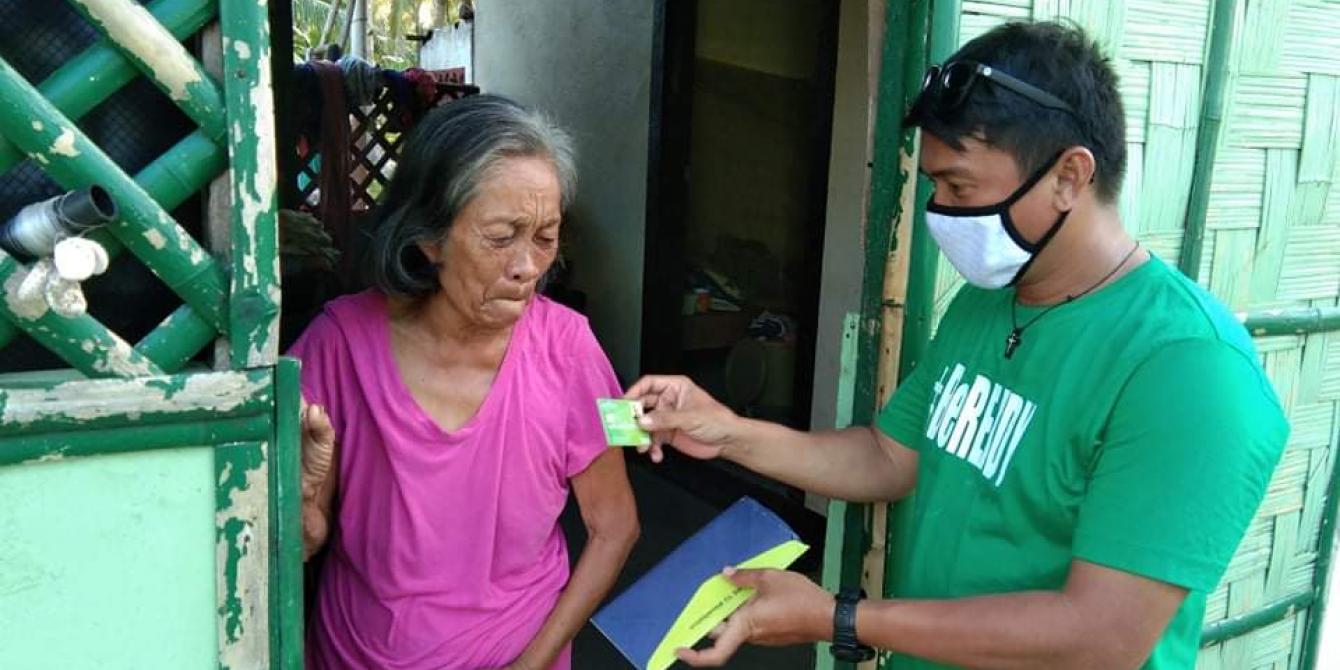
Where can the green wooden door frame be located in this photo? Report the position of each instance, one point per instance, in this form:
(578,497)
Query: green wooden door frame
(123,397)
(909,35)
(250,418)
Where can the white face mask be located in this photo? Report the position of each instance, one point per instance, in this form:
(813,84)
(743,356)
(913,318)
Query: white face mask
(983,243)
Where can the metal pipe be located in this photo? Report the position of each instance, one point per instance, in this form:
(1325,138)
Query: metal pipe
(89,78)
(57,446)
(1213,103)
(1256,619)
(160,57)
(33,232)
(146,228)
(170,179)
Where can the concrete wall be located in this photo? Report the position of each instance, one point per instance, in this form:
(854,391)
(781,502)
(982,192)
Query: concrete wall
(588,63)
(859,35)
(452,46)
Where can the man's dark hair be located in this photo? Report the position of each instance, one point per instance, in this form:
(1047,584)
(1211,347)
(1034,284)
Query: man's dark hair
(1061,60)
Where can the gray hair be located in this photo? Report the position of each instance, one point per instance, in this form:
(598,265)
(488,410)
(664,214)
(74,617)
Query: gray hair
(442,165)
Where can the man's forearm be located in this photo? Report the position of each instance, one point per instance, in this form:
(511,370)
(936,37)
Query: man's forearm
(846,464)
(1028,630)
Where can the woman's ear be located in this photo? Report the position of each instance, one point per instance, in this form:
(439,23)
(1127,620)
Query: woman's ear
(1074,173)
(432,250)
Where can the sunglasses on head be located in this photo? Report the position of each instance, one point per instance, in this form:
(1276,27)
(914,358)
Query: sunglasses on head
(945,89)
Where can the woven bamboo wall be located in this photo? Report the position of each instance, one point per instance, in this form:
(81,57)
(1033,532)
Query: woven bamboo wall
(1272,238)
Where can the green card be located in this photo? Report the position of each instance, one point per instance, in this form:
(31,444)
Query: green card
(619,417)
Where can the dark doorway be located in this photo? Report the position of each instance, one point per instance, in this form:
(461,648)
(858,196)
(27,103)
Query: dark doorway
(741,124)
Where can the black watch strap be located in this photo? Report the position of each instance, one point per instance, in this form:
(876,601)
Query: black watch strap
(846,646)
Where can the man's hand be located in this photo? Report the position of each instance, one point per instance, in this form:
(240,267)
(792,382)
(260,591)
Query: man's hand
(684,416)
(787,608)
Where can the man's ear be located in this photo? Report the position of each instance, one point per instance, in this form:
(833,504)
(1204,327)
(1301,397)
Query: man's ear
(1074,173)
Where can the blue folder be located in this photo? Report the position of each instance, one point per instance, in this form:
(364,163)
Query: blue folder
(681,599)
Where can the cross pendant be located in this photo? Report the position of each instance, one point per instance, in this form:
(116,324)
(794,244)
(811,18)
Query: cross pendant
(1012,342)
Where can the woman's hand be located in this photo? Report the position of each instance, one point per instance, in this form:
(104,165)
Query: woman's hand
(684,416)
(318,457)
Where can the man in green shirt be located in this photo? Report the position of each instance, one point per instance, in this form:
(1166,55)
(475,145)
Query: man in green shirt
(1085,441)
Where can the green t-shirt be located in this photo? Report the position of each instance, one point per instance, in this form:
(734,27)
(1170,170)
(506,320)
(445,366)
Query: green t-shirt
(1133,428)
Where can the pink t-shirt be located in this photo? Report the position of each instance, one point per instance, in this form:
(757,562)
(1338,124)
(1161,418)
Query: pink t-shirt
(447,552)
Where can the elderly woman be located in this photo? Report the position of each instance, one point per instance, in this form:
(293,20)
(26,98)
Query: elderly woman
(451,409)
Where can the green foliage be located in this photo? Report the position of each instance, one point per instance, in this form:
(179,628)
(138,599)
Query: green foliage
(389,21)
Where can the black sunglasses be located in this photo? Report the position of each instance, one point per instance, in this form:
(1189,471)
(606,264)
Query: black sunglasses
(947,88)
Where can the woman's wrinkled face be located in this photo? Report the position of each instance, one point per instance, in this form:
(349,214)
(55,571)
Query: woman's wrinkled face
(501,243)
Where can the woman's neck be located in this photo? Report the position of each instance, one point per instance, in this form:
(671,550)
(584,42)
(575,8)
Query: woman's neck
(448,331)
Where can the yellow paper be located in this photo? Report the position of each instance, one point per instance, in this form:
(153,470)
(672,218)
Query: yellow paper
(715,600)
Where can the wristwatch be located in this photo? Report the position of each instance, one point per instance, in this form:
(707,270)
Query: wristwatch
(845,645)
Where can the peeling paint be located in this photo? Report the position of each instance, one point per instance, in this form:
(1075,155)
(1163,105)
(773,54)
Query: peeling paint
(96,349)
(120,359)
(136,31)
(156,239)
(84,400)
(191,249)
(243,49)
(49,457)
(30,308)
(242,553)
(64,144)
(257,201)
(37,125)
(41,158)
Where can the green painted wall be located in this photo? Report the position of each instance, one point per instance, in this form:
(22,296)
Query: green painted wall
(107,563)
